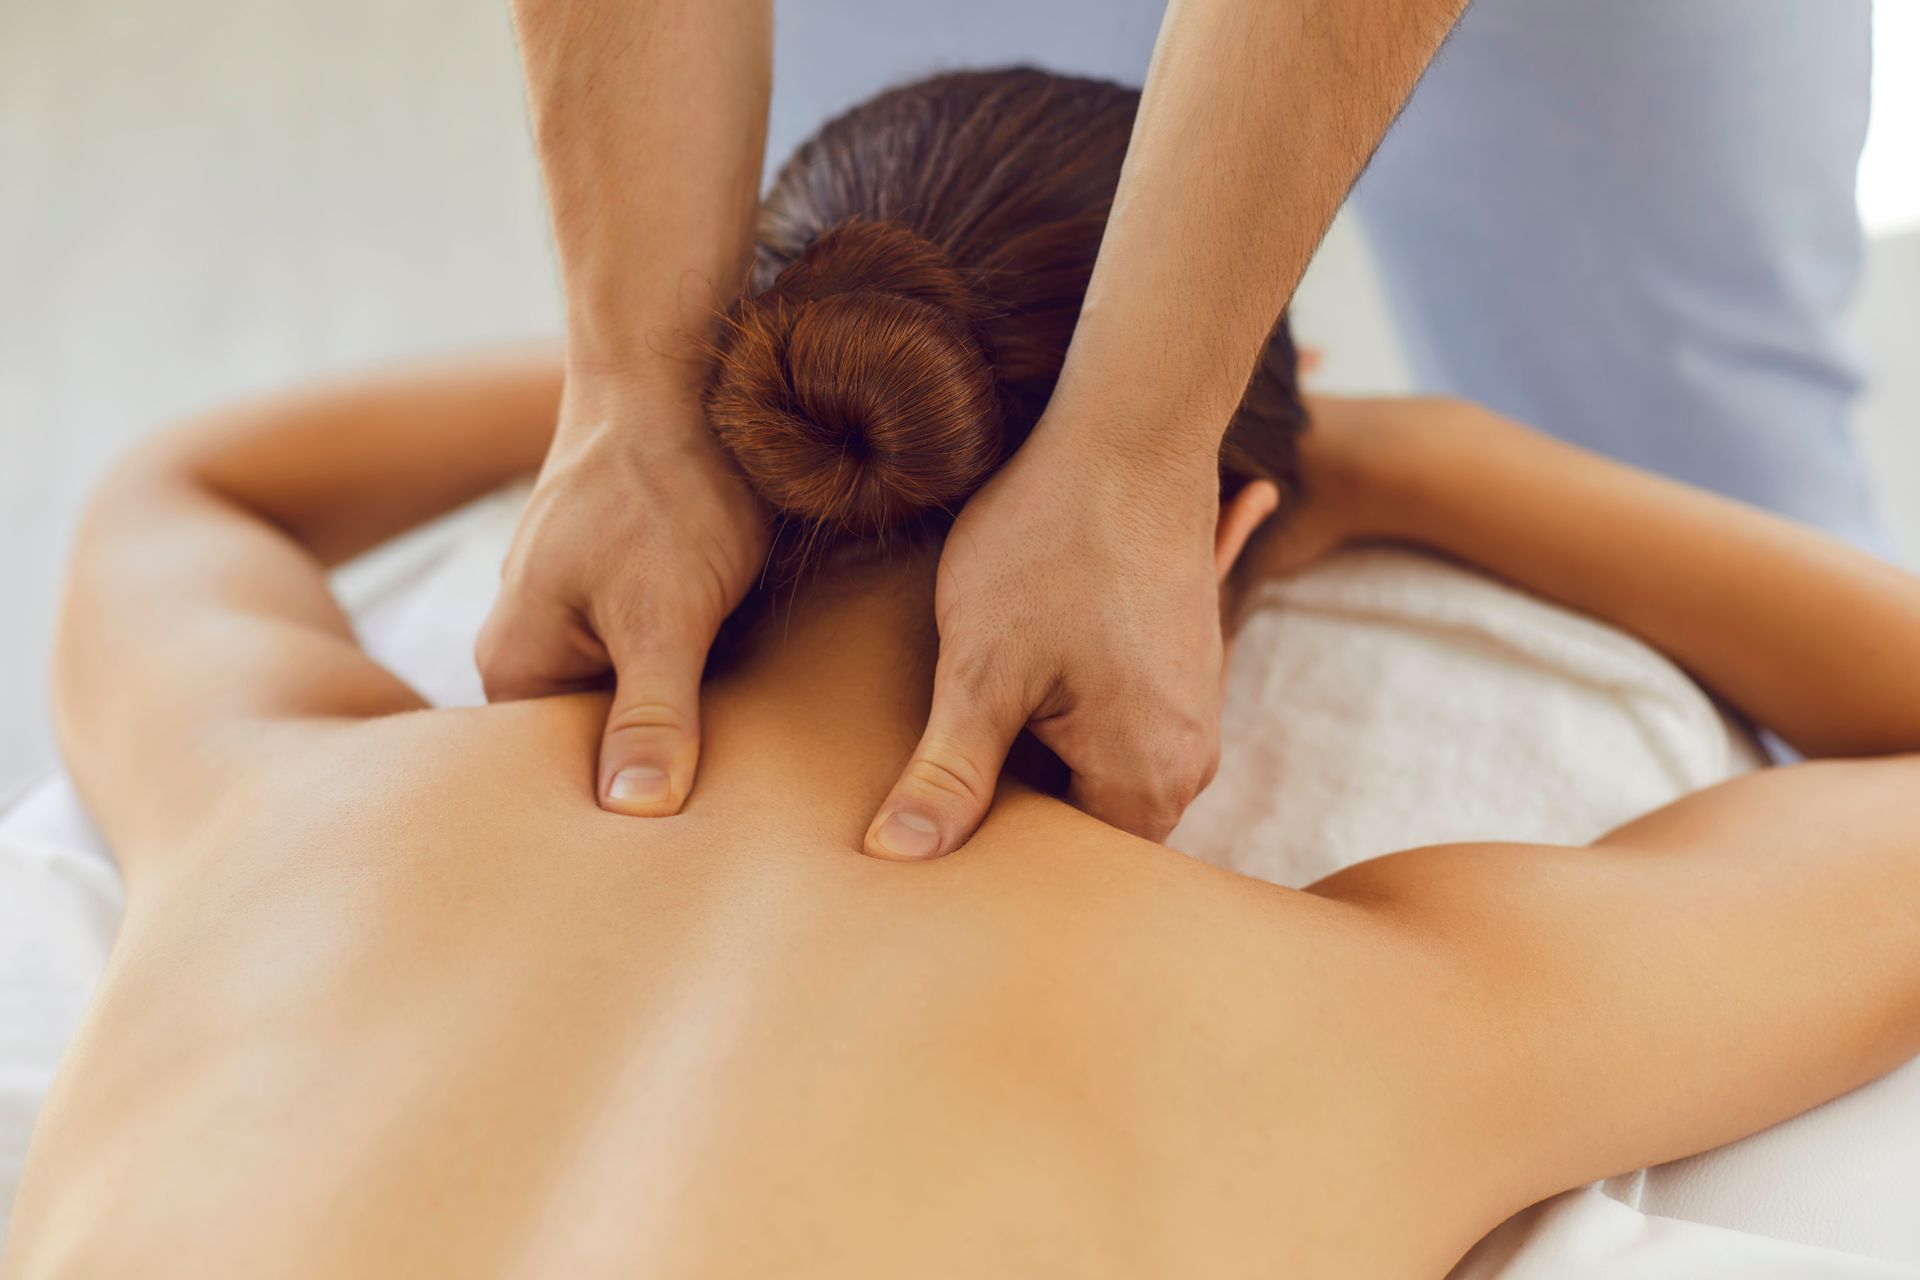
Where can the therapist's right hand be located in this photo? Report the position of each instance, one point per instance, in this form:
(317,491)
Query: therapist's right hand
(638,542)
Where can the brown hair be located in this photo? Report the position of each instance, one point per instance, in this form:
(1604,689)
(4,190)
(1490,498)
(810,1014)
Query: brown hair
(920,266)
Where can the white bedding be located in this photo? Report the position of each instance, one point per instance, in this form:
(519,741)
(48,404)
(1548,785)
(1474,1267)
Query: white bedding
(1382,700)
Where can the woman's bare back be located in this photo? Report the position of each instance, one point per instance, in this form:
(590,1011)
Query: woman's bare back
(421,1008)
(393,996)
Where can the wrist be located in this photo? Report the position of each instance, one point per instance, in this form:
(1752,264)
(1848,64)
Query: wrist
(1130,446)
(647,355)
(1117,498)
(631,409)
(1125,459)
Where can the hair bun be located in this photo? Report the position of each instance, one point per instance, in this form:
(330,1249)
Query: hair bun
(856,391)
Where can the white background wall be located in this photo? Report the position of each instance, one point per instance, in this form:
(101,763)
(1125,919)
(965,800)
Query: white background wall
(211,197)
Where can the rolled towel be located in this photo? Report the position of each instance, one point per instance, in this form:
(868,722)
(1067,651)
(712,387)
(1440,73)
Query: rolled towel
(1385,700)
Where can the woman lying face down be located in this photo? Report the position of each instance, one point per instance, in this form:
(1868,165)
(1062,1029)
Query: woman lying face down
(394,996)
(920,268)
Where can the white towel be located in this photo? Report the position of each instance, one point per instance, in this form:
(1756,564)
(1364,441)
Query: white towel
(1387,699)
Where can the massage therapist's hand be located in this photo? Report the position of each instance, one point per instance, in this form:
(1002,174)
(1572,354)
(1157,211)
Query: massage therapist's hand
(1077,600)
(638,540)
(637,543)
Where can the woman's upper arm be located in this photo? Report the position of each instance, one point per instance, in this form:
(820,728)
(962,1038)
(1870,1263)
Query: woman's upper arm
(1731,960)
(190,630)
(198,633)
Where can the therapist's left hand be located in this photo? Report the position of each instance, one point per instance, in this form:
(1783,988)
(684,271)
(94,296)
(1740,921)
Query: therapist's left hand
(1077,598)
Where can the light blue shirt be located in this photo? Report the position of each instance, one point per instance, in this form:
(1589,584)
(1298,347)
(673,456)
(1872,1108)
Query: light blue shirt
(1628,222)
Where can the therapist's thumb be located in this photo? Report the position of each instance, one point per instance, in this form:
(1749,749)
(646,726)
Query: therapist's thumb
(652,742)
(947,787)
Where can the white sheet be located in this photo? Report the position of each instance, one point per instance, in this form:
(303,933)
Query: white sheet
(60,904)
(1381,701)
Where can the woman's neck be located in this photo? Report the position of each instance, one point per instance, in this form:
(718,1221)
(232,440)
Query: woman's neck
(823,706)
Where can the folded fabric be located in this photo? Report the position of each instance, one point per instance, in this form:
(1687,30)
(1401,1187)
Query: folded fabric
(1388,700)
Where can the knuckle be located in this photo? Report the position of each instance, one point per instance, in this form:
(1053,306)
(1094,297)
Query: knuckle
(503,672)
(1177,795)
(1210,769)
(1162,805)
(1193,755)
(660,622)
(526,654)
(974,671)
(491,646)
(487,655)
(953,777)
(993,673)
(1182,785)
(1164,763)
(631,615)
(648,717)
(1160,822)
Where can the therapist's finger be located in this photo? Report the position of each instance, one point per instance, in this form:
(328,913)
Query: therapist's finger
(1144,788)
(652,744)
(947,787)
(1138,761)
(532,650)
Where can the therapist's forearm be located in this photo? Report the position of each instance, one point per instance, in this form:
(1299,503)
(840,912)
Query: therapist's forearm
(1257,117)
(650,117)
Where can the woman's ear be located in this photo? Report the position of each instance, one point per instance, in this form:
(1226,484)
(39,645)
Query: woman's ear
(1240,515)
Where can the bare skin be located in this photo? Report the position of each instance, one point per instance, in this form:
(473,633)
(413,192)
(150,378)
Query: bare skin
(650,117)
(395,997)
